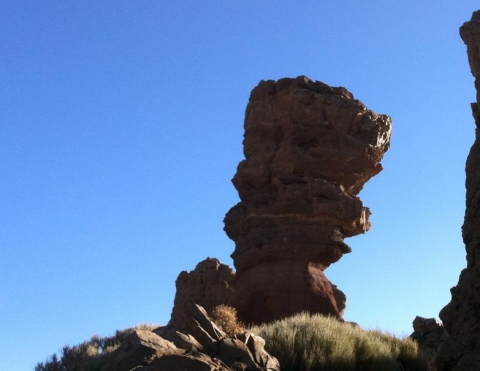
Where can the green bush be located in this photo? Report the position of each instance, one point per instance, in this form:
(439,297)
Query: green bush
(316,343)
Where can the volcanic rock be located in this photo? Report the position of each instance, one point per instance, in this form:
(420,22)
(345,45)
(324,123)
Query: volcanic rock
(202,340)
(461,317)
(139,348)
(200,346)
(209,284)
(309,149)
(430,334)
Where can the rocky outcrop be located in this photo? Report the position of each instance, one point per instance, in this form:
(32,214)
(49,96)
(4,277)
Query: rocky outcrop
(139,348)
(209,285)
(309,149)
(200,346)
(461,317)
(202,341)
(430,334)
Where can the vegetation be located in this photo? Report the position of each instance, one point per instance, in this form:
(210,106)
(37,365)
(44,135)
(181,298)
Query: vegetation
(226,318)
(90,355)
(316,343)
(301,343)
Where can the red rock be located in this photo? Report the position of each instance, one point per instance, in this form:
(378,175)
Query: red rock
(309,149)
(461,317)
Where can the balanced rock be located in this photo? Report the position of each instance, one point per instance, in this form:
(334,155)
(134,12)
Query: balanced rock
(461,317)
(309,149)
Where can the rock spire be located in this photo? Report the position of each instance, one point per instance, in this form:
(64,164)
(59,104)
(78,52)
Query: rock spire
(461,317)
(309,149)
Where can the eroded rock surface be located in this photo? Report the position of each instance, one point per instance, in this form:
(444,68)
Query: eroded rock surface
(309,149)
(430,334)
(203,342)
(200,346)
(209,284)
(461,317)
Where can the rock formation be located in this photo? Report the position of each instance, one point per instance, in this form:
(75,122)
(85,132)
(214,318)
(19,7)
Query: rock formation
(200,346)
(309,149)
(461,317)
(209,284)
(430,334)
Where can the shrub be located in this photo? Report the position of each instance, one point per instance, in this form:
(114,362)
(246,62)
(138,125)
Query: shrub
(315,343)
(51,364)
(226,318)
(90,355)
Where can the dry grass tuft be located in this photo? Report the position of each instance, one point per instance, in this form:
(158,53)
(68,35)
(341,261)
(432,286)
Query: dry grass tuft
(316,343)
(226,318)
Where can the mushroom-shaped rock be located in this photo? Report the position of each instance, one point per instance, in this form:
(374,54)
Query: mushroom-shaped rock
(309,149)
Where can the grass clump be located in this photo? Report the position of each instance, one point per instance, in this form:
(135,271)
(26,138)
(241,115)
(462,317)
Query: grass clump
(90,355)
(226,318)
(317,343)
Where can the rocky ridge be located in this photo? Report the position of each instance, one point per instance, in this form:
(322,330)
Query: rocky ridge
(200,345)
(461,317)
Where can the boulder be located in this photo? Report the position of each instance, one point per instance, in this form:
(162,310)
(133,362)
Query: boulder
(137,349)
(430,334)
(309,149)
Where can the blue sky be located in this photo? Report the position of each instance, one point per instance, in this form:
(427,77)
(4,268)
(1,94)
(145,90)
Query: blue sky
(121,127)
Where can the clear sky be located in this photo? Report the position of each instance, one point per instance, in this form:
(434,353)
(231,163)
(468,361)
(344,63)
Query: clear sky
(121,127)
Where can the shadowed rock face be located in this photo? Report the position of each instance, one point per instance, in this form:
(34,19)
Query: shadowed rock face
(209,284)
(461,317)
(309,149)
(199,346)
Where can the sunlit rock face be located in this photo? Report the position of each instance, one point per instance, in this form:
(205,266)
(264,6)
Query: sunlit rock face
(461,317)
(309,149)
